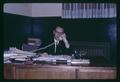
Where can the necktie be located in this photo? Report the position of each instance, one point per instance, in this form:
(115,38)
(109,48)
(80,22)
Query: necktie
(56,43)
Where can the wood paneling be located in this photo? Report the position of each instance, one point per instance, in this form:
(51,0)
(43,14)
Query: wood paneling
(98,73)
(45,73)
(9,71)
(19,71)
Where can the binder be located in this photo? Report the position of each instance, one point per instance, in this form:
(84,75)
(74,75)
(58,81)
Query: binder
(102,10)
(97,10)
(63,10)
(73,10)
(93,10)
(87,5)
(105,10)
(90,10)
(84,10)
(108,11)
(115,12)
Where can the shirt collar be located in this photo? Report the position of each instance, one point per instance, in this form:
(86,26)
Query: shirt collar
(56,41)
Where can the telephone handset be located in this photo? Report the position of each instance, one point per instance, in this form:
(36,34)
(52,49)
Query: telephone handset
(62,36)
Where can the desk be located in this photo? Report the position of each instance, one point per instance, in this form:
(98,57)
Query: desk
(39,71)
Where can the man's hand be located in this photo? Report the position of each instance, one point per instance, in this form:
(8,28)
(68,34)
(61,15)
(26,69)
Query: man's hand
(65,40)
(63,36)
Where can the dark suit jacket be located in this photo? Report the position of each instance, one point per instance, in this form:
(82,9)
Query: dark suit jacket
(61,49)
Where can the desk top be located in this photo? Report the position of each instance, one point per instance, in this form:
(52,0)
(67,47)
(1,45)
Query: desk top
(57,66)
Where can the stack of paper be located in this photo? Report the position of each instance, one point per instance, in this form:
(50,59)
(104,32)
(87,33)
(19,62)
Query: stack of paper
(17,54)
(80,61)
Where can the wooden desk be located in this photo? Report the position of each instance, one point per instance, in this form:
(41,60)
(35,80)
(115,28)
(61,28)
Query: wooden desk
(21,71)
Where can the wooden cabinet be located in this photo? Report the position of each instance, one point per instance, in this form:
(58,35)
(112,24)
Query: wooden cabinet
(45,73)
(96,73)
(57,72)
(9,71)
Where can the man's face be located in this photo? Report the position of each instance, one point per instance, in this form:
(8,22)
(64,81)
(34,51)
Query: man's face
(58,32)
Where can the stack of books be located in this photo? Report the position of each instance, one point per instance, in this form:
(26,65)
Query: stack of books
(34,41)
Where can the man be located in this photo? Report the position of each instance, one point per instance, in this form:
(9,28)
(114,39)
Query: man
(59,43)
(59,35)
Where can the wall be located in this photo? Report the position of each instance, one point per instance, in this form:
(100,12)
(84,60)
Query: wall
(46,9)
(18,8)
(34,9)
(16,29)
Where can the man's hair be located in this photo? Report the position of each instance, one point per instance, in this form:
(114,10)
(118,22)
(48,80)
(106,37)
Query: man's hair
(58,27)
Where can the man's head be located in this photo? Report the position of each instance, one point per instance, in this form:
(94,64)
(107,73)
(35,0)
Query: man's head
(58,32)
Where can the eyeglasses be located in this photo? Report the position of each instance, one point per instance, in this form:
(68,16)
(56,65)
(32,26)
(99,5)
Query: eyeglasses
(59,32)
